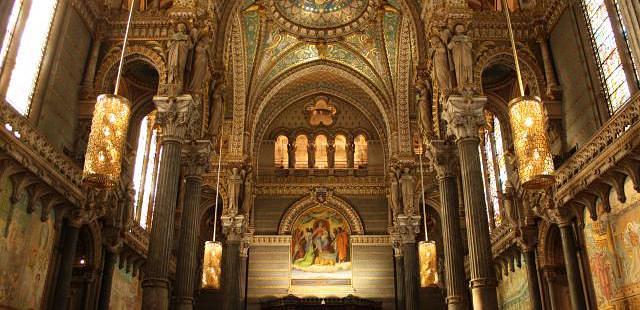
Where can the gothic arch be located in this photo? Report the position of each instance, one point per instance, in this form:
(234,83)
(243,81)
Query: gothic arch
(330,201)
(109,66)
(531,73)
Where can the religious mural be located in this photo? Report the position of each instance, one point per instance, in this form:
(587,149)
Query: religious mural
(613,248)
(126,291)
(513,290)
(320,249)
(26,244)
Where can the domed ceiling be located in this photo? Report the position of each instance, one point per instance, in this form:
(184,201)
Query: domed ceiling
(322,19)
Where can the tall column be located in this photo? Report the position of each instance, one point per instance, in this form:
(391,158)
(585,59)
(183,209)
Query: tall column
(443,157)
(71,231)
(350,148)
(110,260)
(195,159)
(464,116)
(549,276)
(532,278)
(399,267)
(547,62)
(233,228)
(172,116)
(244,259)
(408,228)
(630,12)
(571,264)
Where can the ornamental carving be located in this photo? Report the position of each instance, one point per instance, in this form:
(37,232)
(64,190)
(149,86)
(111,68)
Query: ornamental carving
(322,19)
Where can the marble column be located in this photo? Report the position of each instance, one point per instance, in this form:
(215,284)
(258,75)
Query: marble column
(244,259)
(172,116)
(110,260)
(350,148)
(233,228)
(547,61)
(408,228)
(444,160)
(71,231)
(195,160)
(569,250)
(532,278)
(399,268)
(464,116)
(549,276)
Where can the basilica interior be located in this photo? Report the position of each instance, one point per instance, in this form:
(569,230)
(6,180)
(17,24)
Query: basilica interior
(320,154)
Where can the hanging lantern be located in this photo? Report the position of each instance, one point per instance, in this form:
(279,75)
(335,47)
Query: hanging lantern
(535,163)
(428,264)
(102,162)
(211,267)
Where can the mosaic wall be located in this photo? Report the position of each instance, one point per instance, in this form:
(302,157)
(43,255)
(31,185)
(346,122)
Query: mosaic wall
(26,244)
(126,291)
(513,290)
(613,248)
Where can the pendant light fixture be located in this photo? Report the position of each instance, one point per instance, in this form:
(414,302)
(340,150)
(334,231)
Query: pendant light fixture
(103,158)
(426,249)
(527,116)
(211,266)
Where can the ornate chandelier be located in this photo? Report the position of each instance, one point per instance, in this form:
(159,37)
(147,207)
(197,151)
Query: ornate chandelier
(103,159)
(426,249)
(527,116)
(211,266)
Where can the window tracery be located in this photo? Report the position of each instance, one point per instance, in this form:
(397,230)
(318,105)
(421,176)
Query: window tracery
(146,170)
(321,151)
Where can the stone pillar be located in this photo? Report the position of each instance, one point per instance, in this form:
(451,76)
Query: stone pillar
(547,61)
(195,160)
(549,276)
(443,158)
(464,116)
(291,151)
(244,259)
(311,154)
(233,228)
(71,231)
(532,278)
(569,250)
(408,228)
(350,148)
(399,267)
(331,152)
(90,69)
(172,116)
(110,260)
(630,12)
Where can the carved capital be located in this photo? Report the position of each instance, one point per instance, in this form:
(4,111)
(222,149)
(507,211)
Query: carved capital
(245,243)
(176,117)
(464,116)
(196,157)
(443,156)
(560,216)
(233,227)
(408,227)
(396,241)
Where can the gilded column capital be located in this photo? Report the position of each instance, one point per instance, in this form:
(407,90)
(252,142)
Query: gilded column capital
(443,156)
(196,157)
(245,243)
(183,9)
(464,115)
(233,227)
(176,116)
(408,227)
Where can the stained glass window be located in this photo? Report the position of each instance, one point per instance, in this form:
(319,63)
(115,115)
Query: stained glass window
(609,62)
(145,170)
(8,35)
(33,42)
(494,168)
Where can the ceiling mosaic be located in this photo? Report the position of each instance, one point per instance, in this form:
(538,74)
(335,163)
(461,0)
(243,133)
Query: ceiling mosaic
(322,19)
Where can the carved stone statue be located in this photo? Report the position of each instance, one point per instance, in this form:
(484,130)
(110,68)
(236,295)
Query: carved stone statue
(461,47)
(200,67)
(441,68)
(233,191)
(407,187)
(216,110)
(247,196)
(424,106)
(394,194)
(178,49)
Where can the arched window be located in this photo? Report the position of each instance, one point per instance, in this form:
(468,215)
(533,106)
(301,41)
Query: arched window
(146,170)
(282,152)
(321,159)
(302,157)
(360,153)
(340,159)
(28,46)
(608,34)
(493,166)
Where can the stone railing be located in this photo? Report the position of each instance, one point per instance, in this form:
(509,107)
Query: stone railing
(26,145)
(613,142)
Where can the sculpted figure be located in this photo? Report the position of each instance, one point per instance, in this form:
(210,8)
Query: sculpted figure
(178,51)
(247,196)
(441,71)
(408,185)
(394,194)
(200,68)
(233,188)
(461,47)
(216,110)
(424,106)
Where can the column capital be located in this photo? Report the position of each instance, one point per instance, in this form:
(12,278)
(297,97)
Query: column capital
(396,241)
(464,115)
(177,117)
(408,227)
(233,227)
(561,216)
(196,157)
(245,243)
(443,156)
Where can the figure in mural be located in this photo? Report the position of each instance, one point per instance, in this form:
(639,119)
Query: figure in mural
(342,244)
(441,61)
(461,47)
(632,247)
(178,51)
(200,67)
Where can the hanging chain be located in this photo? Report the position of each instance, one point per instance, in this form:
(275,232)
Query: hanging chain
(124,47)
(513,46)
(424,205)
(215,210)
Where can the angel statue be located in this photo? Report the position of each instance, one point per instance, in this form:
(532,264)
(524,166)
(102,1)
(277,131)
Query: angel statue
(178,51)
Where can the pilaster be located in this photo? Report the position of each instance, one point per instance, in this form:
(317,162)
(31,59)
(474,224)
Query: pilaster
(408,228)
(233,227)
